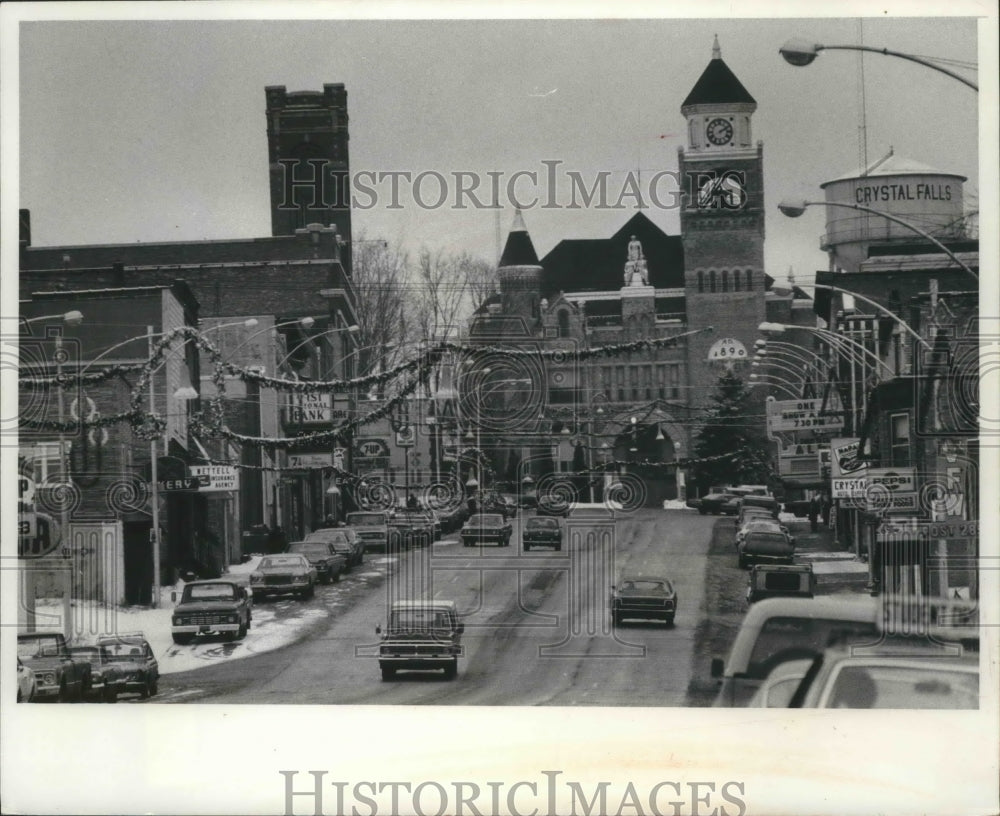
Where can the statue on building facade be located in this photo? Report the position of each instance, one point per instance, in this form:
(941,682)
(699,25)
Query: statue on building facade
(635,267)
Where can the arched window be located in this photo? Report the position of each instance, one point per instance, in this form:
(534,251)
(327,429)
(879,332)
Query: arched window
(701,282)
(564,323)
(749,280)
(736,280)
(725,280)
(711,281)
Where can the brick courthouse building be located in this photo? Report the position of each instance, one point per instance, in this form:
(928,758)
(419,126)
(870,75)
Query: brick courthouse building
(644,408)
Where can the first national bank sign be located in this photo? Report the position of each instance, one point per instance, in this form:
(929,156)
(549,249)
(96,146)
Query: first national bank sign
(316,409)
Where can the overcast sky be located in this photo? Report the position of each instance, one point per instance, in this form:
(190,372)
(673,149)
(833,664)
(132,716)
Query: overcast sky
(155,131)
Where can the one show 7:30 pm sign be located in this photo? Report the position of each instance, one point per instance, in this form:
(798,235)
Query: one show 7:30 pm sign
(804,414)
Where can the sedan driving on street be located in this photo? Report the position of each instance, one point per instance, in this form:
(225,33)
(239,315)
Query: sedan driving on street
(486,528)
(281,574)
(542,532)
(644,597)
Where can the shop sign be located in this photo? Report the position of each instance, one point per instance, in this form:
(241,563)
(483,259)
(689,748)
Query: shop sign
(216,478)
(310,460)
(848,488)
(894,529)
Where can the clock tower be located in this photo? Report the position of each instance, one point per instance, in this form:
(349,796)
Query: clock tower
(722,226)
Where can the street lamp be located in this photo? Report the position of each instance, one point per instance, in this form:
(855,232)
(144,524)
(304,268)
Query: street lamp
(71,318)
(794,207)
(777,385)
(800,52)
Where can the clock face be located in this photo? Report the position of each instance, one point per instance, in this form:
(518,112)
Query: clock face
(719,131)
(724,191)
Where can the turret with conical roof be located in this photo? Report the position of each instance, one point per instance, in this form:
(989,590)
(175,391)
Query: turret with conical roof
(519,272)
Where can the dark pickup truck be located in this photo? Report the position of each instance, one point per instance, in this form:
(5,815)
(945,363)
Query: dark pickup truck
(212,607)
(58,674)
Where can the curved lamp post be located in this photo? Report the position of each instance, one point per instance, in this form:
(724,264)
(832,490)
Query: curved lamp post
(800,52)
(70,318)
(844,345)
(772,382)
(794,207)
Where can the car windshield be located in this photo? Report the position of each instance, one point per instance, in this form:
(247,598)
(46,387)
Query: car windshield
(544,523)
(485,521)
(37,647)
(124,650)
(311,549)
(794,637)
(92,654)
(365,518)
(903,685)
(211,592)
(417,619)
(332,536)
(644,585)
(282,561)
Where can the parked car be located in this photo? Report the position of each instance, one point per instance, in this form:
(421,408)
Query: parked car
(282,574)
(107,677)
(328,563)
(344,540)
(57,673)
(891,679)
(744,514)
(484,528)
(764,502)
(26,683)
(781,581)
(541,532)
(765,545)
(210,608)
(421,635)
(759,524)
(642,596)
(135,661)
(716,504)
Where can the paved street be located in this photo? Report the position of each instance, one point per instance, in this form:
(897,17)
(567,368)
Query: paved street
(537,629)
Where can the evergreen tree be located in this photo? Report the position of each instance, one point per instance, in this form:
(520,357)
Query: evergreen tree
(735,427)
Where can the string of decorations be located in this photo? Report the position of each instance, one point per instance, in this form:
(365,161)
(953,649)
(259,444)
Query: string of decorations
(65,380)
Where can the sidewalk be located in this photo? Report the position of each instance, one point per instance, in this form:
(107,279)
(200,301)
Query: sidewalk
(837,570)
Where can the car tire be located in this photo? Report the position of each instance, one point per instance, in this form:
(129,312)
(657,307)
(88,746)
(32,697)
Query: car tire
(154,688)
(527,548)
(669,620)
(617,618)
(63,692)
(388,673)
(451,672)
(703,511)
(742,561)
(145,693)
(182,640)
(336,578)
(111,694)
(558,547)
